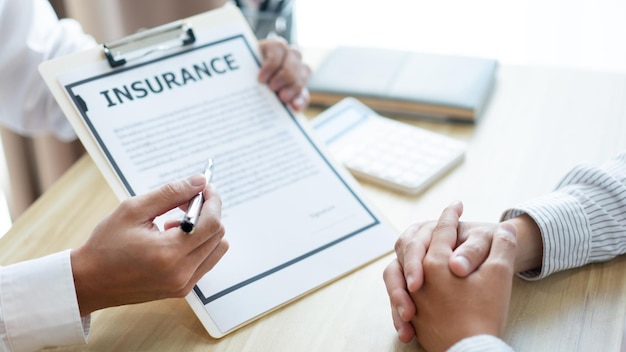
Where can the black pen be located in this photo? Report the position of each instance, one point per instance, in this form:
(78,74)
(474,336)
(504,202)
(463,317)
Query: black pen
(188,224)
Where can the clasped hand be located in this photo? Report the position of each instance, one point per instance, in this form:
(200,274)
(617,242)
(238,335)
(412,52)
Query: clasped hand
(451,280)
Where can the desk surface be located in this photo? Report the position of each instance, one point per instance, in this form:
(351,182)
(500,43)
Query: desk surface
(539,123)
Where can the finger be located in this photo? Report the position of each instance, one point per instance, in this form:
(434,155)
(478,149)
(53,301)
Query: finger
(410,233)
(404,329)
(414,253)
(205,250)
(290,88)
(446,230)
(285,73)
(469,255)
(209,262)
(208,192)
(300,102)
(292,73)
(504,246)
(212,207)
(203,268)
(168,197)
(208,223)
(397,291)
(273,53)
(403,240)
(464,228)
(212,250)
(402,307)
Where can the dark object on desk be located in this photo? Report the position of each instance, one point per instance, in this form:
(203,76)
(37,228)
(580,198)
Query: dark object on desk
(407,83)
(269,18)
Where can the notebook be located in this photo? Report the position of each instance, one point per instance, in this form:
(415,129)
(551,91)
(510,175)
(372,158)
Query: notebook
(403,82)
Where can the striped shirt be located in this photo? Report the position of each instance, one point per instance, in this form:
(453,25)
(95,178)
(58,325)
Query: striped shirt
(583,221)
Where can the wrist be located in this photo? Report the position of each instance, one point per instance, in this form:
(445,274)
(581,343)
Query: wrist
(529,254)
(82,283)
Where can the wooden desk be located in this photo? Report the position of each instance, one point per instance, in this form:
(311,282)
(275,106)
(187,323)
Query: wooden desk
(540,122)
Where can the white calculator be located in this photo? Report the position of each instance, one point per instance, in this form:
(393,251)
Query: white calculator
(388,152)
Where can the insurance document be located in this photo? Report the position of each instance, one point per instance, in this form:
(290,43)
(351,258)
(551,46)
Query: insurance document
(294,220)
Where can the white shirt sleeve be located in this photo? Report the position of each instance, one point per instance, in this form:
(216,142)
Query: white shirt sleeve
(33,34)
(481,343)
(38,305)
(583,220)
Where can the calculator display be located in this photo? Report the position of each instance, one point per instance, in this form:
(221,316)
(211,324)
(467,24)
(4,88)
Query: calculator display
(333,126)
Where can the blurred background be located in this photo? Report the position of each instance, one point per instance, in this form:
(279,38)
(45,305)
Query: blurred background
(573,34)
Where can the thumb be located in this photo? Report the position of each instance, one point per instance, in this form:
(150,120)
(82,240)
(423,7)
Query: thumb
(171,195)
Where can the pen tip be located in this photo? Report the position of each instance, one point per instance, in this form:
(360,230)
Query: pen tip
(187,227)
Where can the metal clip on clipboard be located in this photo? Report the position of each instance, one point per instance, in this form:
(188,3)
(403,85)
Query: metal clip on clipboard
(162,38)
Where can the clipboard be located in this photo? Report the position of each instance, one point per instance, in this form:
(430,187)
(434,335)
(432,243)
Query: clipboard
(295,219)
(121,52)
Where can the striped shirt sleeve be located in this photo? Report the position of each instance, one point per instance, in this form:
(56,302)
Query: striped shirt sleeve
(481,343)
(583,220)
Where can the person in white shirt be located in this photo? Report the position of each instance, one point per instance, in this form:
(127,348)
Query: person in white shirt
(582,221)
(127,259)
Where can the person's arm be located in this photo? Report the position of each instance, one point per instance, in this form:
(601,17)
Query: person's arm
(38,306)
(126,260)
(582,221)
(33,34)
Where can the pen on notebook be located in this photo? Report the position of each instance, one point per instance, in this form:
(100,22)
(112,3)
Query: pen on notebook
(188,224)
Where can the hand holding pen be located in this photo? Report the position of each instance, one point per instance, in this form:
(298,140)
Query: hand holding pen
(129,244)
(188,223)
